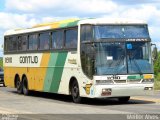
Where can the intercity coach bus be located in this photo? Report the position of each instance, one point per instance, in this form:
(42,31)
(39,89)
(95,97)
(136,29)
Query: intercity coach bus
(94,58)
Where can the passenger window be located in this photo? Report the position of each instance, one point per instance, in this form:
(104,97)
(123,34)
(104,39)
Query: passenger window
(33,42)
(57,40)
(22,42)
(44,41)
(71,38)
(12,44)
(6,44)
(86,32)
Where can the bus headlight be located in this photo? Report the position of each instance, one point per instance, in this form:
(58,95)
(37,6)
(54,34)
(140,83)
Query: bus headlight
(102,82)
(147,80)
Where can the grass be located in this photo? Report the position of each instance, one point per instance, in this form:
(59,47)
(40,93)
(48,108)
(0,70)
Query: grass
(157,85)
(157,82)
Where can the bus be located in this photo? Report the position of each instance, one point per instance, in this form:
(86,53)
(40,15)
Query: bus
(92,58)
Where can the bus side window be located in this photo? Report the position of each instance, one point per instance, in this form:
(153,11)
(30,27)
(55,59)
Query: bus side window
(71,37)
(86,33)
(6,44)
(12,44)
(33,42)
(44,40)
(20,43)
(24,42)
(57,40)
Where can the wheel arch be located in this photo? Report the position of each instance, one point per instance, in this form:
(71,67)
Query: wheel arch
(72,79)
(15,80)
(24,75)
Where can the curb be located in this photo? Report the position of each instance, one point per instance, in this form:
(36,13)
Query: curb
(146,99)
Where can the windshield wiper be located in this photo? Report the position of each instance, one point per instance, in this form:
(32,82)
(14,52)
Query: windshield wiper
(135,62)
(118,63)
(139,69)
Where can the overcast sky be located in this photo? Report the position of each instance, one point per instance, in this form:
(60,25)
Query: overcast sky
(26,13)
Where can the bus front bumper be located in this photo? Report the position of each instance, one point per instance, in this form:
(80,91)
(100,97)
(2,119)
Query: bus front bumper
(102,91)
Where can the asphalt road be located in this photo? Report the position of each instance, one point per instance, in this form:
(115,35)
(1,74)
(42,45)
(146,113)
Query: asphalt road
(48,106)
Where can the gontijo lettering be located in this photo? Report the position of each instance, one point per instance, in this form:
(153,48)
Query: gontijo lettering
(28,59)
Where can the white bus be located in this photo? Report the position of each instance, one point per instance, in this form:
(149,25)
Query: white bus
(94,58)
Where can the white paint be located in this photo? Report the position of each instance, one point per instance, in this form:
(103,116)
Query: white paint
(111,21)
(16,60)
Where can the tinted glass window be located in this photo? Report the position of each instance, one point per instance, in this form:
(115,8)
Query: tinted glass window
(57,40)
(120,31)
(22,42)
(71,38)
(86,32)
(33,42)
(44,41)
(6,44)
(12,44)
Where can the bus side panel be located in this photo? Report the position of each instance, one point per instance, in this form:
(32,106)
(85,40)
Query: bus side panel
(10,73)
(54,71)
(8,76)
(40,72)
(70,70)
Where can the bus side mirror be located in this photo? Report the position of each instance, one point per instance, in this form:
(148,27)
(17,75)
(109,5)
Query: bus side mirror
(154,52)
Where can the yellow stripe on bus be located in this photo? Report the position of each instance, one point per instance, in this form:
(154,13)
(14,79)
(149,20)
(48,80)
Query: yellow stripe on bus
(41,72)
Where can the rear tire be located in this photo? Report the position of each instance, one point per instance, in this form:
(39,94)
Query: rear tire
(19,85)
(124,99)
(4,85)
(25,86)
(75,92)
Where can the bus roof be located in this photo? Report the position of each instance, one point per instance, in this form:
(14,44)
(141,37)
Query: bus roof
(71,23)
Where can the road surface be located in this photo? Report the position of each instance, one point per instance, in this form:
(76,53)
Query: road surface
(46,106)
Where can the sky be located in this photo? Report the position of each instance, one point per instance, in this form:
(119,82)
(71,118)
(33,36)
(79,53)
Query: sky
(26,13)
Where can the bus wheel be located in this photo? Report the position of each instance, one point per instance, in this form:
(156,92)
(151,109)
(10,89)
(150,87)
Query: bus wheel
(123,99)
(19,85)
(25,86)
(75,92)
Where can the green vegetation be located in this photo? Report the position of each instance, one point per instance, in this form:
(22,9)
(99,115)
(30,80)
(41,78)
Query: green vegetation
(157,85)
(157,71)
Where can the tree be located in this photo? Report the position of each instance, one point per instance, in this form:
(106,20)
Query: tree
(157,64)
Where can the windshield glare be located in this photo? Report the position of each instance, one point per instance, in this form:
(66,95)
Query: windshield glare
(113,58)
(120,31)
(110,58)
(139,58)
(106,50)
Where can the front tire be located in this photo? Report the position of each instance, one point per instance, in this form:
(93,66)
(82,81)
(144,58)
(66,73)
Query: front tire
(25,86)
(75,92)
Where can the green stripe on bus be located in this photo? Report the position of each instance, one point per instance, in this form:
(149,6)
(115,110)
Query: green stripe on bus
(57,74)
(70,24)
(54,72)
(132,77)
(50,71)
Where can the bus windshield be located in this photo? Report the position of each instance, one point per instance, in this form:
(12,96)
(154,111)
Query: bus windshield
(120,31)
(116,58)
(110,58)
